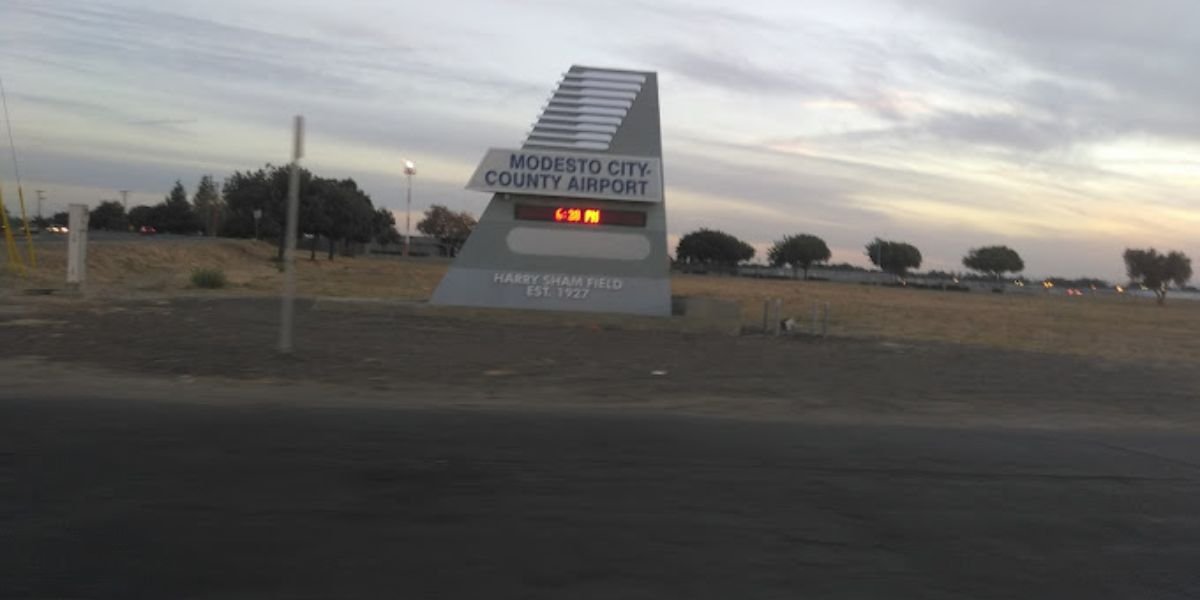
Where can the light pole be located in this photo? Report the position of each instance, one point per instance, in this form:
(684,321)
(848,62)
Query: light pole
(410,169)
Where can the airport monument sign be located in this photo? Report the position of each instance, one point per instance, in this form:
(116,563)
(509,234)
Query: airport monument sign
(577,219)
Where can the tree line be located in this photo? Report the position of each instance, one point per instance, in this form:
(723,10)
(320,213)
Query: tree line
(800,252)
(253,204)
(335,211)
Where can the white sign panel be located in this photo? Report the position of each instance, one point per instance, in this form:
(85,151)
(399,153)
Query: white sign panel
(569,175)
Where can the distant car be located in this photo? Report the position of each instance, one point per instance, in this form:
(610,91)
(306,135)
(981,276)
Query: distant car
(147,230)
(58,229)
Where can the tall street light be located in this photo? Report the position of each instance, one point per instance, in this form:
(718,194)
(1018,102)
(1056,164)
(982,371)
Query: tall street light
(410,169)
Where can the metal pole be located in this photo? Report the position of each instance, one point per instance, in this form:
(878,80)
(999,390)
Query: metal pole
(882,258)
(77,236)
(289,249)
(41,195)
(777,316)
(408,213)
(125,207)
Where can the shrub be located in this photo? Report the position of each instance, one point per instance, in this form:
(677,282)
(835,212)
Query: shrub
(209,279)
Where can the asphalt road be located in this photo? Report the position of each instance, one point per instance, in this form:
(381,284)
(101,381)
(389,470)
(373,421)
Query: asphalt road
(107,498)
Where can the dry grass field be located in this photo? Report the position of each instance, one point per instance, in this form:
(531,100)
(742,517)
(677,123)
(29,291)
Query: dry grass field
(1114,327)
(164,267)
(1110,326)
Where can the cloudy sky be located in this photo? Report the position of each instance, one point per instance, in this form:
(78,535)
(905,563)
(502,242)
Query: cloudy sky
(1068,129)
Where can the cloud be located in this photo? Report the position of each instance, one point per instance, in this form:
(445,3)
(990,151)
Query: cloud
(1125,65)
(211,55)
(1009,131)
(696,14)
(739,74)
(1146,25)
(204,48)
(163,122)
(73,105)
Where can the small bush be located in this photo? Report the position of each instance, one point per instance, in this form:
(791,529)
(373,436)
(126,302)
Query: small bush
(209,279)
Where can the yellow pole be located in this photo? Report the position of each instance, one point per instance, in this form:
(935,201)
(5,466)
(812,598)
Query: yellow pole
(28,235)
(14,259)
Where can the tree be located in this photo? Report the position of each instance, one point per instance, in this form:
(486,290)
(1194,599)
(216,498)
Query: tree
(60,218)
(994,261)
(208,205)
(450,228)
(361,226)
(244,193)
(175,214)
(256,203)
(894,257)
(314,221)
(334,209)
(108,216)
(142,216)
(1157,271)
(799,252)
(383,228)
(712,247)
(348,211)
(248,192)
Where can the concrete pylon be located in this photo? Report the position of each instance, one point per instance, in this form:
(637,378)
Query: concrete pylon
(577,219)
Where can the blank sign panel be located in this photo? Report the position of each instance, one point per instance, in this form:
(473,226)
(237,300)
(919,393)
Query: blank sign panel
(578,244)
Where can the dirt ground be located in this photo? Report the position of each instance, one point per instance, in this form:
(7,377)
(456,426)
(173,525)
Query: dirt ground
(129,266)
(392,353)
(1108,327)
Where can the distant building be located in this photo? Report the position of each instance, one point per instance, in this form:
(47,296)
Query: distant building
(421,245)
